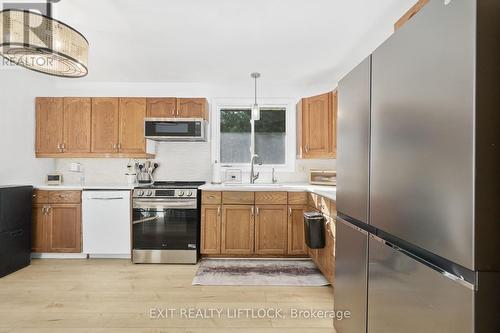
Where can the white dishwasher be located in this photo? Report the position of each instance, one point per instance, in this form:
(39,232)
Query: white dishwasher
(106,216)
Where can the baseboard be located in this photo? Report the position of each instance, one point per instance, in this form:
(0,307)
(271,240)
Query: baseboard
(220,256)
(79,256)
(58,256)
(110,256)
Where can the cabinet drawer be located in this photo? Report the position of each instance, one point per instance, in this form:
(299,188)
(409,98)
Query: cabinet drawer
(211,197)
(297,198)
(237,198)
(64,196)
(40,197)
(320,203)
(271,198)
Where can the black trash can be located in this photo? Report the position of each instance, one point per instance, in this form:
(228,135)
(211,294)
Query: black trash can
(314,230)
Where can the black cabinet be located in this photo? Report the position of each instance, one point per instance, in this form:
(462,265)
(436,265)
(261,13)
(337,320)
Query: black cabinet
(15,228)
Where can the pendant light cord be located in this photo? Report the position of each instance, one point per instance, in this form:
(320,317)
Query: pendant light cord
(255,101)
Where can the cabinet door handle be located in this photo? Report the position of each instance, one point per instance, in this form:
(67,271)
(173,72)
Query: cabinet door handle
(218,211)
(63,147)
(307,148)
(290,211)
(252,211)
(119,146)
(114,146)
(258,211)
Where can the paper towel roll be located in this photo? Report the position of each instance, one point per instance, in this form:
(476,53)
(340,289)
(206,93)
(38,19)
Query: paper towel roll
(216,177)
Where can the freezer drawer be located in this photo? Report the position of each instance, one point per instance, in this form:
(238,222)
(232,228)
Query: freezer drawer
(353,146)
(405,295)
(351,259)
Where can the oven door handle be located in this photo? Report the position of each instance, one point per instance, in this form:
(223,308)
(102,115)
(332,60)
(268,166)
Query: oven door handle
(147,219)
(163,205)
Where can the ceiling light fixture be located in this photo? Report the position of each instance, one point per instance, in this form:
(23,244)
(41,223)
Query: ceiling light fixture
(42,44)
(255,106)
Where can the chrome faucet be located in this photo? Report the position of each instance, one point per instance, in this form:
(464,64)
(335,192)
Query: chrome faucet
(254,176)
(274,179)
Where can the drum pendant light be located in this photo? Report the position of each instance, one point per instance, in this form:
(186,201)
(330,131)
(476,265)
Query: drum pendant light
(42,44)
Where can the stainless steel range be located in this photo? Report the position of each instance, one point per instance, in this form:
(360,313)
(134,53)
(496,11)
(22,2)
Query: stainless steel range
(166,223)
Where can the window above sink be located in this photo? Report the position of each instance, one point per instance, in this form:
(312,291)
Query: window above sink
(236,137)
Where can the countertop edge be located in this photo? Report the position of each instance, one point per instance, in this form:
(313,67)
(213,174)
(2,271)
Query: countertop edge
(329,192)
(83,187)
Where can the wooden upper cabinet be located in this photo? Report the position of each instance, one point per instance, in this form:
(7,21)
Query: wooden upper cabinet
(131,130)
(210,229)
(317,126)
(49,125)
(192,108)
(270,229)
(105,117)
(237,229)
(77,125)
(161,107)
(410,13)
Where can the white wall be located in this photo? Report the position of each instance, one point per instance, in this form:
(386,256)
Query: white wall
(178,161)
(18,89)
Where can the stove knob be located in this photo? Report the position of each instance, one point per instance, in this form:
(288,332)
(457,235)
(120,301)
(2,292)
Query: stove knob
(150,193)
(189,193)
(140,193)
(181,193)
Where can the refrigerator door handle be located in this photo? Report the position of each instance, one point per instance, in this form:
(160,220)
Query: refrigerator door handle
(364,232)
(459,279)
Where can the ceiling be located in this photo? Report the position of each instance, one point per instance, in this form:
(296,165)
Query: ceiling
(289,41)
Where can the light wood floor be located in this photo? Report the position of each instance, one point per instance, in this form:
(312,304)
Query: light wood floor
(116,296)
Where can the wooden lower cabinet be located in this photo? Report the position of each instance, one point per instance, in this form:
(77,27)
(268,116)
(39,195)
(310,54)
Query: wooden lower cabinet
(237,229)
(296,240)
(210,229)
(56,226)
(37,228)
(325,256)
(64,228)
(271,229)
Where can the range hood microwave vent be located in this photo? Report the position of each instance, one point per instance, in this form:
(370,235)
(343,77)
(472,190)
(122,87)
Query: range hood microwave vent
(175,129)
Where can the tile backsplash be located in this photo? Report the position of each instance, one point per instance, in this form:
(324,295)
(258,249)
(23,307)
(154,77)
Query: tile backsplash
(178,161)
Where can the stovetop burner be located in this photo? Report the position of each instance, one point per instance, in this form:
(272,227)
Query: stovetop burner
(172,184)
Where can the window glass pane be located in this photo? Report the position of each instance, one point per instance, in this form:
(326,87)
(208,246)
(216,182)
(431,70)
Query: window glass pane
(270,136)
(235,131)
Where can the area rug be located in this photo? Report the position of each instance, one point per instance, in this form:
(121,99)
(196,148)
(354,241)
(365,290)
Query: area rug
(242,272)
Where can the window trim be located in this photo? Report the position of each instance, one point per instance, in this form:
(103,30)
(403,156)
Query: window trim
(290,127)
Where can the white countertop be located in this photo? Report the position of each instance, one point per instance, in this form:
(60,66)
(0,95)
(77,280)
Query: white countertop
(323,190)
(86,186)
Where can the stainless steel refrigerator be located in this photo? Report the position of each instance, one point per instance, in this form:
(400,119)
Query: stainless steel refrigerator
(418,233)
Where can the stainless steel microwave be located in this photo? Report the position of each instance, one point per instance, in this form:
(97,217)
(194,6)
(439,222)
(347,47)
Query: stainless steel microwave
(175,129)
